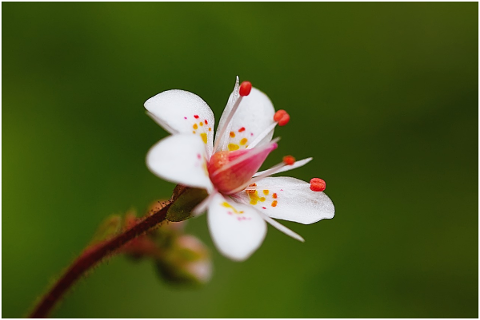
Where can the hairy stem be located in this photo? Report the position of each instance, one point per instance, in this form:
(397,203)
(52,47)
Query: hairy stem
(91,256)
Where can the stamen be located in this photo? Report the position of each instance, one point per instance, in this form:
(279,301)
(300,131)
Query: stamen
(285,119)
(251,188)
(262,135)
(317,185)
(297,164)
(268,172)
(281,227)
(282,117)
(245,88)
(278,115)
(288,160)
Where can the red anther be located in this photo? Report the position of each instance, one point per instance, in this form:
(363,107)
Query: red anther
(245,88)
(317,185)
(279,115)
(288,160)
(284,120)
(282,117)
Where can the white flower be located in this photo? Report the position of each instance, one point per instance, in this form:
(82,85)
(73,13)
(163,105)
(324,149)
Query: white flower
(240,198)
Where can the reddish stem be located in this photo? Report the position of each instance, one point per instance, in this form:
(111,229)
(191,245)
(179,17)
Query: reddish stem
(92,256)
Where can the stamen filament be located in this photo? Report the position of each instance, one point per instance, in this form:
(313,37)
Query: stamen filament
(281,227)
(226,124)
(297,164)
(262,135)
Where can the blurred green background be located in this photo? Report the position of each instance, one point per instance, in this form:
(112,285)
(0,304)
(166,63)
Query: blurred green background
(382,95)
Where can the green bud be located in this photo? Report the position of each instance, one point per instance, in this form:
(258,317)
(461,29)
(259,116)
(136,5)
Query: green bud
(187,262)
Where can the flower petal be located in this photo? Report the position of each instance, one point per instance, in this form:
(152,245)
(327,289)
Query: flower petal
(181,159)
(179,111)
(237,230)
(253,117)
(288,199)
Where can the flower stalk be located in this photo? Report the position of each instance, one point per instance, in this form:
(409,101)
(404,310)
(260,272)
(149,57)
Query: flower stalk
(95,254)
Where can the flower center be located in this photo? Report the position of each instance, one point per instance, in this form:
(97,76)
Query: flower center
(229,170)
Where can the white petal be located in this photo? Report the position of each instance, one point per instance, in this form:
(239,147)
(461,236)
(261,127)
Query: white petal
(254,115)
(180,111)
(237,230)
(297,164)
(288,199)
(181,159)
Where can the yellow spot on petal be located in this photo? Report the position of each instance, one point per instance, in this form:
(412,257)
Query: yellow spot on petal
(274,203)
(194,132)
(233,146)
(195,126)
(253,197)
(204,137)
(229,206)
(262,199)
(232,134)
(209,129)
(266,192)
(201,124)
(243,141)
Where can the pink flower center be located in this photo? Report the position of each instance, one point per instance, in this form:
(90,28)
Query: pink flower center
(230,170)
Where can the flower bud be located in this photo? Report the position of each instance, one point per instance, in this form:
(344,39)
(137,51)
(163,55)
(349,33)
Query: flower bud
(186,262)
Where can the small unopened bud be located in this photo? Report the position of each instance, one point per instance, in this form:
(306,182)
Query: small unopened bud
(186,262)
